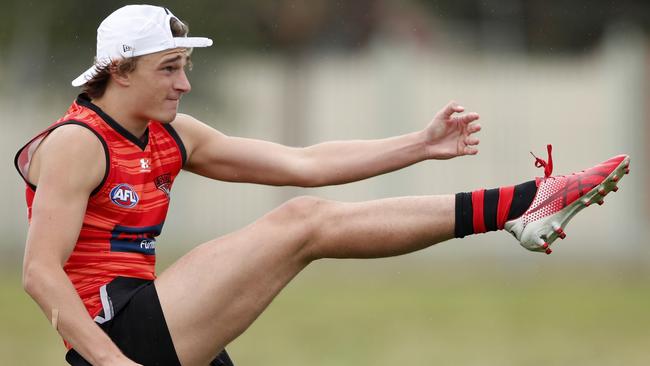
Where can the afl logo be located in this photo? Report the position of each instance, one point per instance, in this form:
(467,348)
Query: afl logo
(124,195)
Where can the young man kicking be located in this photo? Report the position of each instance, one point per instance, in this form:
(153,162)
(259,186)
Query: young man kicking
(99,183)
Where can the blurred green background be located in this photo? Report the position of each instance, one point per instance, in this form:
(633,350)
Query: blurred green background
(571,73)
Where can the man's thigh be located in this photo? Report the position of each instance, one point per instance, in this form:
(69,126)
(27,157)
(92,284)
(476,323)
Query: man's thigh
(213,293)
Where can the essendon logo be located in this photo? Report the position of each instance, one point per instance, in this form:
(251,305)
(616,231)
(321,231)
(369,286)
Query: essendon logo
(164,183)
(124,195)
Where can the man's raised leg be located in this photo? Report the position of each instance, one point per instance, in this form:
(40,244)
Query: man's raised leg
(212,294)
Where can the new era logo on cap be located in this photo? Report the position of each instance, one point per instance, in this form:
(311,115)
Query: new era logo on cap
(136,30)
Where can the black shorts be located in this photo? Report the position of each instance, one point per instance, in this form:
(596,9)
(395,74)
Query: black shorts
(134,320)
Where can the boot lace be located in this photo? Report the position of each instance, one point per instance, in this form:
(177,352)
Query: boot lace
(547,165)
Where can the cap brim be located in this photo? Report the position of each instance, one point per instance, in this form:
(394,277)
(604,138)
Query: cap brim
(86,76)
(191,42)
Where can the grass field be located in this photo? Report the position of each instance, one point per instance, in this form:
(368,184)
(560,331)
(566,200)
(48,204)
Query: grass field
(403,312)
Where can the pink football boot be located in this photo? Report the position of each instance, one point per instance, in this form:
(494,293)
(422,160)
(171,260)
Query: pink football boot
(560,197)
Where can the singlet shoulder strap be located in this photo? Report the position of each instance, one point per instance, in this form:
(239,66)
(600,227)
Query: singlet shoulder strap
(24,156)
(181,147)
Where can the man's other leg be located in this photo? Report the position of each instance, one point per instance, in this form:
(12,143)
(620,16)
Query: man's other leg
(212,294)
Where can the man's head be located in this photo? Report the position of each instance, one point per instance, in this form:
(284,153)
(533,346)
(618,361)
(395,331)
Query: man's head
(144,49)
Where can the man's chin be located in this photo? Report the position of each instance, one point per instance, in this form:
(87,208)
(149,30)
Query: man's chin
(167,117)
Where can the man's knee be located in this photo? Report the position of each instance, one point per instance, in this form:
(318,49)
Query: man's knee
(302,217)
(302,210)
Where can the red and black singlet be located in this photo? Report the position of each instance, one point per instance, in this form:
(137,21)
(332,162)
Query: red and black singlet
(126,212)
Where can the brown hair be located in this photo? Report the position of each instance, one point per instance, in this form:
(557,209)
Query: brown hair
(96,86)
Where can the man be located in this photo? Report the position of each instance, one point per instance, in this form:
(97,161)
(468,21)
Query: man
(99,183)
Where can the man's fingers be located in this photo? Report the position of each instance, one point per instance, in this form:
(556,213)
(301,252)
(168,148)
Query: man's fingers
(471,140)
(467,118)
(468,150)
(473,128)
(451,108)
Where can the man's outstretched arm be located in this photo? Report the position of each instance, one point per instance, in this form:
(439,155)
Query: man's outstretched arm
(215,155)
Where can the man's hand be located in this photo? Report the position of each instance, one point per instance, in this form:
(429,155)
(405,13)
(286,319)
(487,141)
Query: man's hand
(449,136)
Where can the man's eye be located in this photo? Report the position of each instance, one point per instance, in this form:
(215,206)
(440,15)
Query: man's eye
(170,68)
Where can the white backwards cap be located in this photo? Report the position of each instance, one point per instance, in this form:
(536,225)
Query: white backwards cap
(136,30)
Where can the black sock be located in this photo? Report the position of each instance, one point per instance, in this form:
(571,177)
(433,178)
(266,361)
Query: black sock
(488,210)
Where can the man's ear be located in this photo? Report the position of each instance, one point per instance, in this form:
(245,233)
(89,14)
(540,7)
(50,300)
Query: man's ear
(121,78)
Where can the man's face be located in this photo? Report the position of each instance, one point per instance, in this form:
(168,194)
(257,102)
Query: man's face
(158,82)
